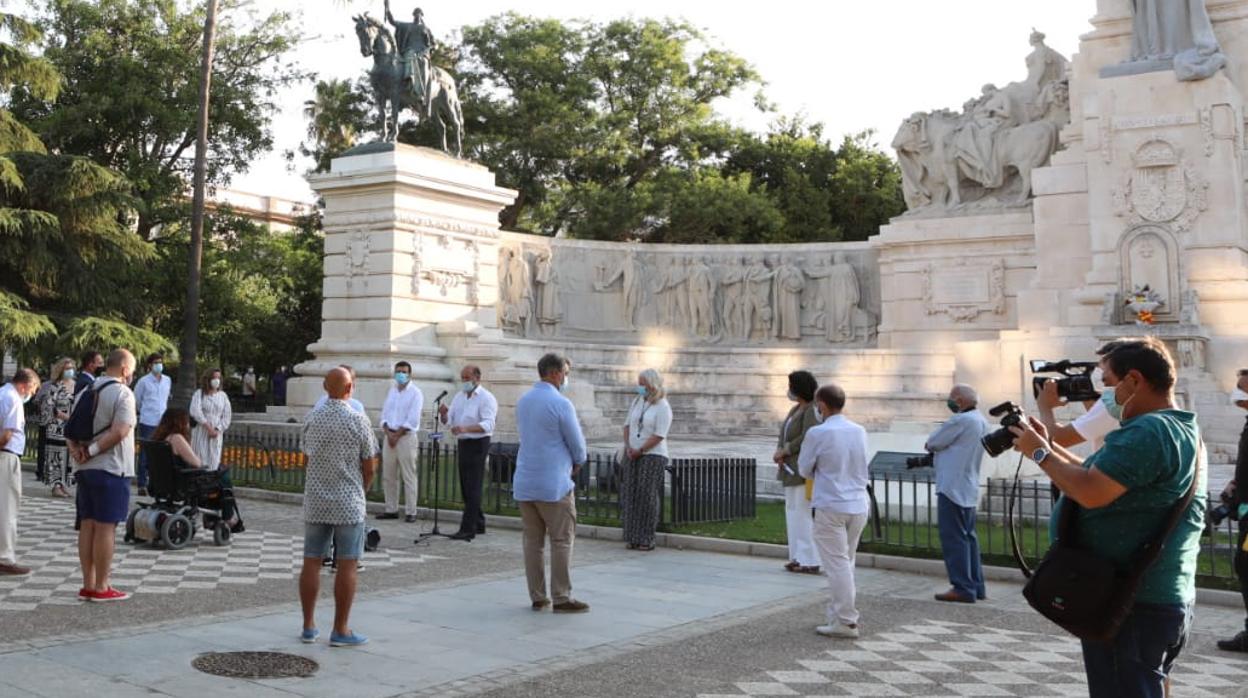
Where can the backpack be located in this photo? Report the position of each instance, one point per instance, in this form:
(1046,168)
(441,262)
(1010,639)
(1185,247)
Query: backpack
(81,424)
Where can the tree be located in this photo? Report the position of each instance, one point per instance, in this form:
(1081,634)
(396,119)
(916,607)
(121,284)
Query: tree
(131,74)
(337,116)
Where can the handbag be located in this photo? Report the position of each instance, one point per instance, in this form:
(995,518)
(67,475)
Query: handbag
(1084,593)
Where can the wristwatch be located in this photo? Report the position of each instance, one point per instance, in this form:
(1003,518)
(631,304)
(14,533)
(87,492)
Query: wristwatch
(1039,455)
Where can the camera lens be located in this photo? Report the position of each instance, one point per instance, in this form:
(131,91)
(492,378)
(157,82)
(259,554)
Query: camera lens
(998,442)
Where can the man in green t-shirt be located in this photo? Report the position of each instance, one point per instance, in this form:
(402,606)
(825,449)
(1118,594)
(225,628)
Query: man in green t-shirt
(1126,491)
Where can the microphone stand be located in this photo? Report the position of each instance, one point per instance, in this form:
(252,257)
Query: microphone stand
(435,439)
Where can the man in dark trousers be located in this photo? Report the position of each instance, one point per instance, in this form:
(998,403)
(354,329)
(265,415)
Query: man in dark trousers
(1236,498)
(471,417)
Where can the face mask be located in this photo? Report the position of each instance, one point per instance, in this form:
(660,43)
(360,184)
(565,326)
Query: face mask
(27,399)
(401,378)
(1111,404)
(215,383)
(953,405)
(563,387)
(792,397)
(158,368)
(641,390)
(68,374)
(468,386)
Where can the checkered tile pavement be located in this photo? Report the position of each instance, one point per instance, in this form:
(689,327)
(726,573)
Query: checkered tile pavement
(48,544)
(935,658)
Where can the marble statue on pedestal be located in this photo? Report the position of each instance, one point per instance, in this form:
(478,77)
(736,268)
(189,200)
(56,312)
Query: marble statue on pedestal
(1175,30)
(982,159)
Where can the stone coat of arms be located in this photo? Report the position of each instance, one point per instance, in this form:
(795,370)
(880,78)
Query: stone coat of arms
(1161,188)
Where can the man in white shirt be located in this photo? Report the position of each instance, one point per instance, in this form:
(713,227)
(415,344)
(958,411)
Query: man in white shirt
(354,404)
(834,455)
(13,399)
(400,420)
(151,395)
(471,417)
(1101,418)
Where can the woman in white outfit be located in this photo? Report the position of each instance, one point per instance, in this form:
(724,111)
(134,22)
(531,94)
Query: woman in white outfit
(645,461)
(210,408)
(803,557)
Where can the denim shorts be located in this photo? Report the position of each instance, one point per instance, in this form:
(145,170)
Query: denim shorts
(347,538)
(102,496)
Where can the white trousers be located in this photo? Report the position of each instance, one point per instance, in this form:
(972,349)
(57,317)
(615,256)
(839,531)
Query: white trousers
(798,525)
(397,462)
(836,536)
(10,499)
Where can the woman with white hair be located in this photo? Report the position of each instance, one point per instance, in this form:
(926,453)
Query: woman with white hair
(645,459)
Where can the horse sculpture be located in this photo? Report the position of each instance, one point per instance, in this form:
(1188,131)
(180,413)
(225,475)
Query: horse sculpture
(392,93)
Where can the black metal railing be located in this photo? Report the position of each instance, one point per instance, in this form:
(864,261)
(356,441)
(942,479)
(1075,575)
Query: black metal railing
(701,490)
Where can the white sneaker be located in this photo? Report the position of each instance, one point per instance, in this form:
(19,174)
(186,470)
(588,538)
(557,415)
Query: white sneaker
(837,630)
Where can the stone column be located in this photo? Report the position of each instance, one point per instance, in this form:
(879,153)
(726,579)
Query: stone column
(410,242)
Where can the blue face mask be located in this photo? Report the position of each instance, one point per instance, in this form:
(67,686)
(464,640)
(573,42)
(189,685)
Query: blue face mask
(401,378)
(468,386)
(563,387)
(68,374)
(1111,404)
(158,368)
(641,390)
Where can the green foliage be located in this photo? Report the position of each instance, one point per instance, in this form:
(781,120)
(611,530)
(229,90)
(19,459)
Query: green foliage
(18,326)
(130,91)
(337,115)
(104,334)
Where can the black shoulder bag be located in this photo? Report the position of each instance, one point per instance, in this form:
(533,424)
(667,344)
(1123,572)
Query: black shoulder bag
(1084,593)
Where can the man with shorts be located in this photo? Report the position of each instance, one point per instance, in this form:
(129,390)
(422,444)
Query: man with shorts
(342,459)
(106,464)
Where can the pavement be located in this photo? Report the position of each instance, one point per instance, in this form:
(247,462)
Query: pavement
(450,618)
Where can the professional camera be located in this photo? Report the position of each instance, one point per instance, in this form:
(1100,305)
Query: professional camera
(926,460)
(1076,383)
(1002,440)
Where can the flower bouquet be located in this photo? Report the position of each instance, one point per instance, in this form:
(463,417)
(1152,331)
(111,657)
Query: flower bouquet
(1144,301)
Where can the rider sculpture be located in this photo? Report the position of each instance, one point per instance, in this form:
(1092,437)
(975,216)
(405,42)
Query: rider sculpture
(415,46)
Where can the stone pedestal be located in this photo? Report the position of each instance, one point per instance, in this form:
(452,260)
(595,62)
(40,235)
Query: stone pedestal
(410,243)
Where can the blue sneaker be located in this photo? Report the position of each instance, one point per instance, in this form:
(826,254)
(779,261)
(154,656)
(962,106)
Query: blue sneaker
(353,640)
(309,636)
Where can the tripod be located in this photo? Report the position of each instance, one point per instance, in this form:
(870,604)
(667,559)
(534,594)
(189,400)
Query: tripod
(435,461)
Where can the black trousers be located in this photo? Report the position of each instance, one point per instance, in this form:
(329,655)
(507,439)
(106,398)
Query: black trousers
(472,455)
(1241,482)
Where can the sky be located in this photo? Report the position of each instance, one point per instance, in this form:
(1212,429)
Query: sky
(850,64)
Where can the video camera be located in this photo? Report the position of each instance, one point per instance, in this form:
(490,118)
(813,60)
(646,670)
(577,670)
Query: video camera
(924,461)
(1076,383)
(1002,440)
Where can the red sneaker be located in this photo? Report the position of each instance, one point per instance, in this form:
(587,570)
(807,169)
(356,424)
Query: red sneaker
(109,594)
(85,594)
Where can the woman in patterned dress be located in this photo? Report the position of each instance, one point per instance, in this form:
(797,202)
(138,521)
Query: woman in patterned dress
(210,408)
(645,461)
(54,411)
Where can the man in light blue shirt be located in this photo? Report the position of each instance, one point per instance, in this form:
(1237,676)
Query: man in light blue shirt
(151,397)
(552,450)
(956,455)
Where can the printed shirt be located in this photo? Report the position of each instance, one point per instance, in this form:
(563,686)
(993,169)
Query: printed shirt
(1155,456)
(152,397)
(956,455)
(352,402)
(834,455)
(550,443)
(13,418)
(336,439)
(479,409)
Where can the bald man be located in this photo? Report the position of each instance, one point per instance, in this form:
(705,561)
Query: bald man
(342,459)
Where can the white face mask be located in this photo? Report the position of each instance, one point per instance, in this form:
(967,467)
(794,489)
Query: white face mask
(215,383)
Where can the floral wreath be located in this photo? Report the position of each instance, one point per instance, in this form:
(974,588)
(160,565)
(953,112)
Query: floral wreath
(1144,301)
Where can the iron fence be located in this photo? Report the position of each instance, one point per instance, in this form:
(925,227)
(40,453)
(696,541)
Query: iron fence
(701,490)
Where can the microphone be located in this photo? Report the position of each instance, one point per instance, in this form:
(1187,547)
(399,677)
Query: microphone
(439,398)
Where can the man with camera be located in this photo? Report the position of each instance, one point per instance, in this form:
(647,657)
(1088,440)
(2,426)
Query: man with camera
(1235,504)
(1126,492)
(956,455)
(1102,415)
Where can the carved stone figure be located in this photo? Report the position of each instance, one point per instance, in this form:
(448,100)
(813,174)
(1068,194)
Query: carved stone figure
(758,311)
(515,294)
(673,297)
(841,299)
(985,155)
(787,299)
(545,277)
(428,90)
(732,291)
(632,277)
(1177,30)
(701,284)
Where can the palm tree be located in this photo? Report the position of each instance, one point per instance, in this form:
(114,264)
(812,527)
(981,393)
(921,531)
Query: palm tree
(336,115)
(187,368)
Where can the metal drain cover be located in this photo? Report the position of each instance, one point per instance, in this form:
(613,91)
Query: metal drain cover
(255,665)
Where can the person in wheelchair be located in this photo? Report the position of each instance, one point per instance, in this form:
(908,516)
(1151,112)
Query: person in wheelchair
(175,430)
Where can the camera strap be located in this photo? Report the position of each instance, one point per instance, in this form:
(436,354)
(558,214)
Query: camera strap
(1016,495)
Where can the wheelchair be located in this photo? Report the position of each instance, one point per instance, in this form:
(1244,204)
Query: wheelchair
(184,500)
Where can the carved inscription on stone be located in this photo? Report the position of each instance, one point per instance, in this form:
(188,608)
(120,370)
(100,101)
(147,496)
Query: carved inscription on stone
(964,289)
